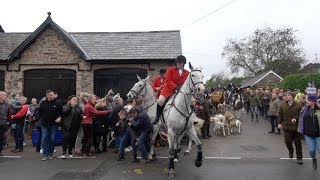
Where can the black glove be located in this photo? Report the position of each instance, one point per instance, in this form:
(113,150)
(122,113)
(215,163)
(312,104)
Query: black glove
(178,88)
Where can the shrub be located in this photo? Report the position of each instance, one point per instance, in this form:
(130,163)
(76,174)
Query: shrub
(300,81)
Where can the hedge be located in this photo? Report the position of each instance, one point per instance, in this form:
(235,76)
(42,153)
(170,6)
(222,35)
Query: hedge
(300,81)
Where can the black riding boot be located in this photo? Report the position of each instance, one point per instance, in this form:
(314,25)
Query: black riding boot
(159,111)
(257,117)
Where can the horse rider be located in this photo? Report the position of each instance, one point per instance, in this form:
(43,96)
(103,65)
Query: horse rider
(175,77)
(159,81)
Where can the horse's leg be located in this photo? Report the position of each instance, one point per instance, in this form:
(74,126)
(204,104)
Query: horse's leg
(187,152)
(171,172)
(156,129)
(193,135)
(177,147)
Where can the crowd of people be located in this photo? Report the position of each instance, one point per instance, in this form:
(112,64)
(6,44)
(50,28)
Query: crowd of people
(296,113)
(86,120)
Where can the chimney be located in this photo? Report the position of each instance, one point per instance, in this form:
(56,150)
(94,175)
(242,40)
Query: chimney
(1,30)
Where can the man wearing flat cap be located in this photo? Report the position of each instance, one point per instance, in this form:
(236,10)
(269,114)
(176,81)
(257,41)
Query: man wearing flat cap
(288,117)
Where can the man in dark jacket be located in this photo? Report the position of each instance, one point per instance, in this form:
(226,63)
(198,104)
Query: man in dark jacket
(205,130)
(288,117)
(50,115)
(141,124)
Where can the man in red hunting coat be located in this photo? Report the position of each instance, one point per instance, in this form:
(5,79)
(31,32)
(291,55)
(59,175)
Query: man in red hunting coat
(175,77)
(159,81)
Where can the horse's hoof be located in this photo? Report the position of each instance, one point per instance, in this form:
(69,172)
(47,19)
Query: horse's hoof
(150,157)
(186,153)
(171,173)
(198,163)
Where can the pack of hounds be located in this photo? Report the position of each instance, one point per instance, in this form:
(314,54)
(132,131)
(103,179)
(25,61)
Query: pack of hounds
(226,120)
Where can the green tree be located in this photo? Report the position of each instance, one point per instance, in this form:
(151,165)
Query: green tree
(267,49)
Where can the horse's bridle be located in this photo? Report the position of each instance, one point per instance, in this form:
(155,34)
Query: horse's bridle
(195,84)
(136,94)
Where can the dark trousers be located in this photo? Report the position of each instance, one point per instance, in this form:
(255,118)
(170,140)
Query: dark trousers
(97,139)
(247,107)
(274,123)
(261,110)
(265,110)
(205,130)
(293,136)
(69,140)
(18,136)
(87,138)
(140,143)
(2,138)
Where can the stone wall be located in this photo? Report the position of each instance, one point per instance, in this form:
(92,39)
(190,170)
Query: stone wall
(270,80)
(51,51)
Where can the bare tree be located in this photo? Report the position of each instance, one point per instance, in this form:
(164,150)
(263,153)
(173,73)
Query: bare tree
(267,49)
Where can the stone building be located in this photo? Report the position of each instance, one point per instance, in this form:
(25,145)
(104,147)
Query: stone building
(92,62)
(263,80)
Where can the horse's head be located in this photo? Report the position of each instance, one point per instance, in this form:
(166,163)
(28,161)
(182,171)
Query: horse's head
(196,78)
(137,89)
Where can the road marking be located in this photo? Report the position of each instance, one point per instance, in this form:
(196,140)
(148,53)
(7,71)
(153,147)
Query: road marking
(15,157)
(295,158)
(230,158)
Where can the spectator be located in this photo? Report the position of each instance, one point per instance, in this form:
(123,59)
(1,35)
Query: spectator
(89,112)
(273,112)
(288,117)
(100,127)
(206,117)
(19,120)
(266,97)
(50,115)
(5,117)
(70,124)
(31,118)
(141,125)
(83,99)
(309,126)
(253,101)
(120,129)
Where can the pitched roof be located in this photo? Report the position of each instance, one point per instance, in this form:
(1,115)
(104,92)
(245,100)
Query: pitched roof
(254,80)
(9,42)
(130,45)
(100,45)
(48,22)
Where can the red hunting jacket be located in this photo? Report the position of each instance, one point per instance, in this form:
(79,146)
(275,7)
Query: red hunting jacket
(157,83)
(89,111)
(173,79)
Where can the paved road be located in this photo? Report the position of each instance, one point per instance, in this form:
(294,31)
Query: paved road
(253,154)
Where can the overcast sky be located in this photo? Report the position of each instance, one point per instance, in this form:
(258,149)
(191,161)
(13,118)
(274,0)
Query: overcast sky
(202,41)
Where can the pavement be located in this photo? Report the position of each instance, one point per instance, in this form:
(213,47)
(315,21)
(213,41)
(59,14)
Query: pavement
(253,154)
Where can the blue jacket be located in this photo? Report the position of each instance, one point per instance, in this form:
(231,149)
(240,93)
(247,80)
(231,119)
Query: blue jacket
(142,122)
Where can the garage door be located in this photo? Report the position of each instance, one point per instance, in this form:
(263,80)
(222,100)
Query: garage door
(36,82)
(120,80)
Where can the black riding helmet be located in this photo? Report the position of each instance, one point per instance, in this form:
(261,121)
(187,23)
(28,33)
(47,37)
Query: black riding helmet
(162,71)
(181,59)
